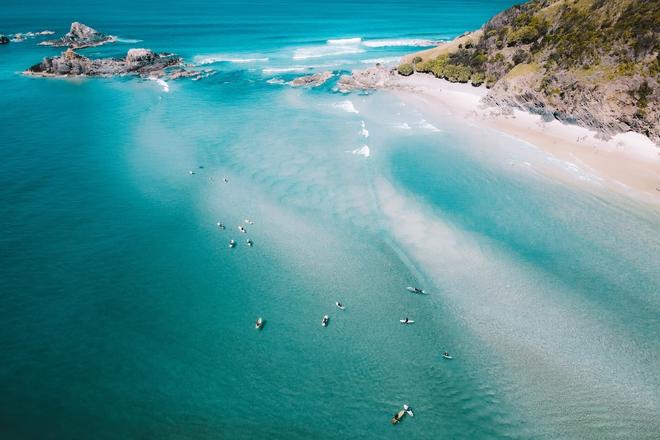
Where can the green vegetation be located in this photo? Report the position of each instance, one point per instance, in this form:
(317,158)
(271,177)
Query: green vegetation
(405,69)
(642,95)
(565,57)
(558,34)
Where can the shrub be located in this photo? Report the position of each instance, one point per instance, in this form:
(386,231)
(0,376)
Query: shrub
(417,59)
(524,35)
(405,69)
(478,78)
(642,94)
(521,56)
(490,80)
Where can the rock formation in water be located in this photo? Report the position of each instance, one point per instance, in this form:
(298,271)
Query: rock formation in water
(80,36)
(592,62)
(4,39)
(311,80)
(372,78)
(142,62)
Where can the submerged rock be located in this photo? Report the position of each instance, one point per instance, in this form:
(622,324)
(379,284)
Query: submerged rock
(137,62)
(4,39)
(312,80)
(80,36)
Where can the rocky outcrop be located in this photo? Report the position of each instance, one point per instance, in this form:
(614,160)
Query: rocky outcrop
(312,80)
(20,36)
(80,36)
(592,62)
(606,107)
(142,62)
(368,79)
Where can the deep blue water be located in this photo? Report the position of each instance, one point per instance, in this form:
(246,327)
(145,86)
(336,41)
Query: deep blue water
(124,314)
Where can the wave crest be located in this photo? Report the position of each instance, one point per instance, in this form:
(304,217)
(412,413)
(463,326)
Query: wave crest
(211,59)
(340,41)
(347,106)
(305,53)
(364,151)
(400,42)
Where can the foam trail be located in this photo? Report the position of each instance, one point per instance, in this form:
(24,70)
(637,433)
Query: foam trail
(162,83)
(402,126)
(347,106)
(427,125)
(363,151)
(363,131)
(127,40)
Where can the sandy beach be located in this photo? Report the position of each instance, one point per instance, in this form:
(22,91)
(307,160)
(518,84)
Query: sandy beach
(628,163)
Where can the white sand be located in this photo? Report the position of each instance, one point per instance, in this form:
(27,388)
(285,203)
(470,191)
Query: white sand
(628,163)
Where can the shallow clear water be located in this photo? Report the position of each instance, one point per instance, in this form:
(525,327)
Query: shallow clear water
(124,314)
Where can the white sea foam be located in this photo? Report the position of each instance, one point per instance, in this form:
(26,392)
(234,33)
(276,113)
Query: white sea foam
(211,59)
(305,53)
(427,125)
(363,151)
(337,41)
(410,42)
(21,36)
(347,106)
(284,69)
(127,40)
(385,60)
(279,81)
(363,131)
(162,83)
(402,126)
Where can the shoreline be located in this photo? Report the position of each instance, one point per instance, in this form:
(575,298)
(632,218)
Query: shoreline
(628,163)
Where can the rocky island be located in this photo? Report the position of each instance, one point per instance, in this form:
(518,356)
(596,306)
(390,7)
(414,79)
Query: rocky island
(593,62)
(80,36)
(141,62)
(314,80)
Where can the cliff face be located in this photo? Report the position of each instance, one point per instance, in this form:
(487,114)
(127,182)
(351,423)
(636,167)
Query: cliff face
(593,62)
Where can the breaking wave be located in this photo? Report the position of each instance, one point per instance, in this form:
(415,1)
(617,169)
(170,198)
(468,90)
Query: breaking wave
(363,151)
(305,53)
(285,69)
(410,42)
(337,41)
(127,40)
(347,106)
(211,59)
(162,83)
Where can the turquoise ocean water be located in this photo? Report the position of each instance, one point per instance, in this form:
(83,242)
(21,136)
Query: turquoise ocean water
(124,314)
